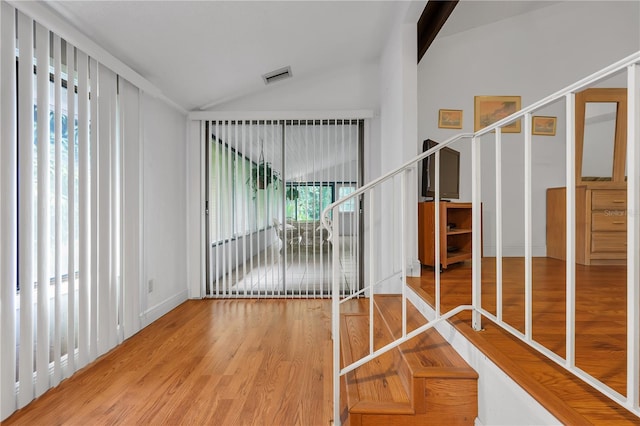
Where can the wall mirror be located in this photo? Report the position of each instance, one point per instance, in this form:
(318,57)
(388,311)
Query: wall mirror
(601,138)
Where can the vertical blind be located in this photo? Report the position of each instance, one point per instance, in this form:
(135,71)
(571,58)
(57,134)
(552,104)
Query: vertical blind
(268,182)
(70,186)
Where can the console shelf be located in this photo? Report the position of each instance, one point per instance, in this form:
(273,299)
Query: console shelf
(456,233)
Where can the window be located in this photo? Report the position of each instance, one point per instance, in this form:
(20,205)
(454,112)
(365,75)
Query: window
(309,201)
(343,191)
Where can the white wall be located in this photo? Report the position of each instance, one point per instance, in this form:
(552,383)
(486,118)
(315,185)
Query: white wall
(165,200)
(530,55)
(349,88)
(396,145)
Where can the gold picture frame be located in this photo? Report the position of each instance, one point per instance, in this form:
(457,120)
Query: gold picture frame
(543,125)
(490,109)
(450,119)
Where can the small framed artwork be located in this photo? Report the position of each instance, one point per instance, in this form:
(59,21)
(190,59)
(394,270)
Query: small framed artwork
(489,109)
(450,119)
(544,126)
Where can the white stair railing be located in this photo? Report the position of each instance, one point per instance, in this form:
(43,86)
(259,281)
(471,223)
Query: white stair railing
(630,401)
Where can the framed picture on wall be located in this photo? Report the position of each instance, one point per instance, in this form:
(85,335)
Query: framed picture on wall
(489,109)
(450,119)
(544,126)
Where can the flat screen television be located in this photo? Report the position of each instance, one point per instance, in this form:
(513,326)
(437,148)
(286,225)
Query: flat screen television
(449,172)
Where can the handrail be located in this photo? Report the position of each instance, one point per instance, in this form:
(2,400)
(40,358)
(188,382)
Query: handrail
(395,172)
(581,84)
(630,402)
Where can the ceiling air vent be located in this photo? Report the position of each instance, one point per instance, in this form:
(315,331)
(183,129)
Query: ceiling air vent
(277,75)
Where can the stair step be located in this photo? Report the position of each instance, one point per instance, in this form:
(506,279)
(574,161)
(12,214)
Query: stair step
(374,387)
(428,354)
(423,381)
(430,366)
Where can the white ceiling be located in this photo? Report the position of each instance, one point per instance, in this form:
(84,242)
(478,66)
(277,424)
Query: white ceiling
(203,53)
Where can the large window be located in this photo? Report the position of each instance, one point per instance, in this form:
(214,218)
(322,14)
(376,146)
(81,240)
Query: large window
(57,165)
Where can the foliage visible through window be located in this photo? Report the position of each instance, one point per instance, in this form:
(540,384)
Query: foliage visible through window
(311,200)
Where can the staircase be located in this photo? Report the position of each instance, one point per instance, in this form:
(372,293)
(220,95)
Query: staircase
(394,379)
(423,381)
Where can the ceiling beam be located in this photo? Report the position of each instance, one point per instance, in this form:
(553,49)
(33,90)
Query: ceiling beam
(433,17)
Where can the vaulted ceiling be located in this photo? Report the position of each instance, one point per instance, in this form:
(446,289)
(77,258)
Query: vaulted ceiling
(202,54)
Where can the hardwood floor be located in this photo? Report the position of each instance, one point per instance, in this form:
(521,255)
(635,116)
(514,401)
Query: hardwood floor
(241,362)
(600,330)
(222,362)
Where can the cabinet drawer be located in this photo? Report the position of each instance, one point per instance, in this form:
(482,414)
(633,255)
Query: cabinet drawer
(608,242)
(608,199)
(609,220)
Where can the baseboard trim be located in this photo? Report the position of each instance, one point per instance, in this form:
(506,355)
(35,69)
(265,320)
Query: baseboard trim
(160,309)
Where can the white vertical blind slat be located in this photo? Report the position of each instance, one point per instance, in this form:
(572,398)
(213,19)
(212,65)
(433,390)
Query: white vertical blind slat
(227,212)
(237,218)
(84,212)
(115,196)
(245,209)
(42,344)
(216,207)
(57,317)
(114,224)
(94,79)
(131,217)
(8,210)
(71,207)
(270,199)
(25,208)
(253,209)
(105,210)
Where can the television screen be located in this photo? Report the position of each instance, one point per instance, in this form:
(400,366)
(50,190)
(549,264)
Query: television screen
(449,172)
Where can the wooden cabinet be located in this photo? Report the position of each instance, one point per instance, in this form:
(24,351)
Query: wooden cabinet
(455,233)
(601,225)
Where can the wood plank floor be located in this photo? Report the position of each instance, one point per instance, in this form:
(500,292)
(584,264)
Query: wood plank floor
(600,329)
(222,362)
(268,362)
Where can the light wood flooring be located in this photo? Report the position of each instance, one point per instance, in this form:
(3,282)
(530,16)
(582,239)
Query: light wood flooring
(208,362)
(268,362)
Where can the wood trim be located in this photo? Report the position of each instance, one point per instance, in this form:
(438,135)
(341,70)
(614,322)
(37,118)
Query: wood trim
(433,17)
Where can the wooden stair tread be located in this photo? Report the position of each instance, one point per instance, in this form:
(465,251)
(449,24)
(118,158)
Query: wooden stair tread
(433,392)
(511,365)
(375,387)
(428,354)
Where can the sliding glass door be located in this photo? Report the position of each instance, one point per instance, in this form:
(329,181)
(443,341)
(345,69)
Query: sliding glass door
(267,185)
